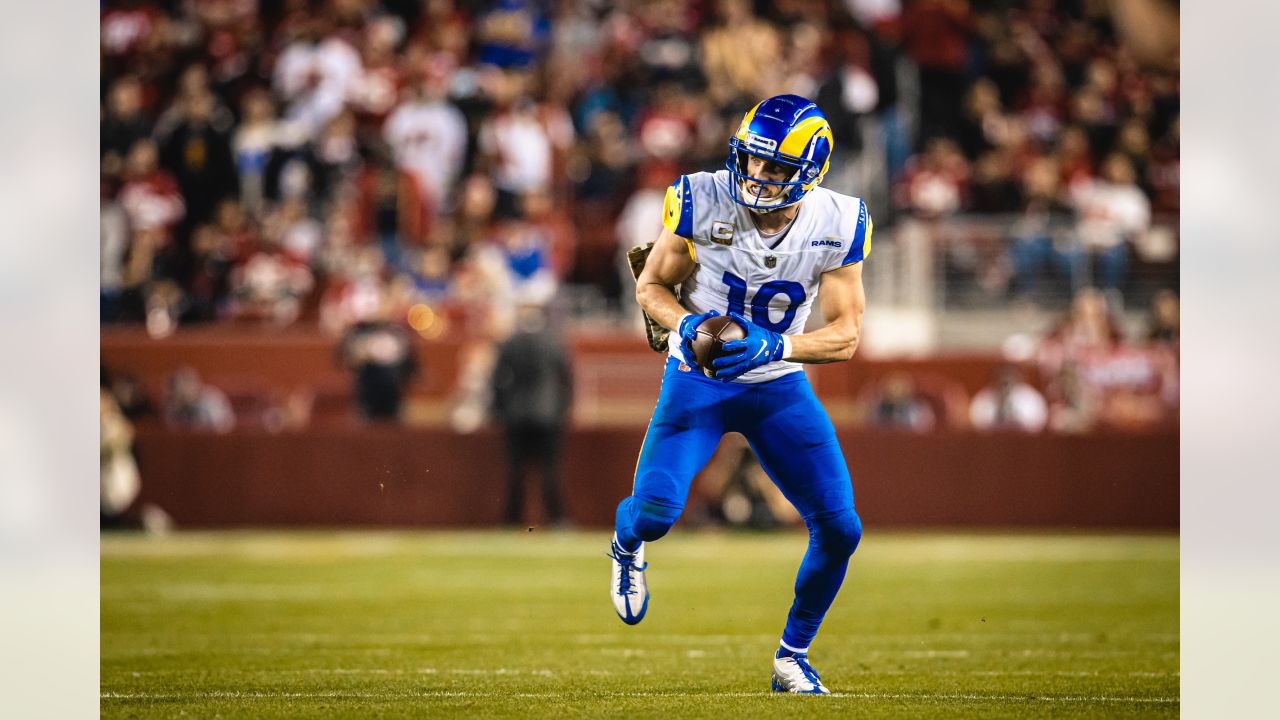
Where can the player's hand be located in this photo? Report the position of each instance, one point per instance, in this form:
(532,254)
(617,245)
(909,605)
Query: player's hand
(759,347)
(688,330)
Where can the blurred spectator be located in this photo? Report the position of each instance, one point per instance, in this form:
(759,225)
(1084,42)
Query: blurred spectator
(119,479)
(315,75)
(252,145)
(1042,233)
(1163,172)
(668,52)
(114,224)
(1163,324)
(1075,164)
(130,396)
(1113,213)
(198,153)
(355,292)
(237,234)
(667,129)
(898,405)
(391,210)
(747,497)
(990,96)
(382,358)
(473,390)
(936,34)
(1008,403)
(1043,110)
(209,284)
(129,27)
(296,233)
(1137,386)
(269,285)
(639,223)
(192,405)
(432,281)
(741,56)
(376,88)
(123,123)
(602,168)
(994,188)
(1133,142)
(335,161)
(1088,328)
(511,33)
(150,197)
(847,96)
(532,396)
(983,125)
(1073,404)
(520,142)
(136,277)
(1102,380)
(429,138)
(528,261)
(934,182)
(805,45)
(193,88)
(152,205)
(554,228)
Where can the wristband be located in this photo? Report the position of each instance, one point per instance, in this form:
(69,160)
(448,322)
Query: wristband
(786,347)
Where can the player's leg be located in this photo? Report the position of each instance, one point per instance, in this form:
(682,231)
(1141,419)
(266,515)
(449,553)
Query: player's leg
(683,433)
(550,438)
(797,446)
(517,446)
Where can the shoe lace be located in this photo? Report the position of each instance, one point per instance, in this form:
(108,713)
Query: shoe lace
(626,566)
(806,669)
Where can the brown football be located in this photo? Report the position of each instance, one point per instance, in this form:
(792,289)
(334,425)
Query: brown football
(712,334)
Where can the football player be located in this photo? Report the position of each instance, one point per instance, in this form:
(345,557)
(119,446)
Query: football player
(757,241)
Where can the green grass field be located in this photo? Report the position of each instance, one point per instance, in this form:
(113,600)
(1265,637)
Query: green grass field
(519,624)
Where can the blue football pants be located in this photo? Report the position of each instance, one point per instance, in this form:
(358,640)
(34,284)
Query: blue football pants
(791,435)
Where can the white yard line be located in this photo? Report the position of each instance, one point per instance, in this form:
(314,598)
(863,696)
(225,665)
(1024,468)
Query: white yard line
(546,672)
(257,695)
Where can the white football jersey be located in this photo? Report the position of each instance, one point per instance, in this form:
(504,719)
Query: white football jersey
(738,270)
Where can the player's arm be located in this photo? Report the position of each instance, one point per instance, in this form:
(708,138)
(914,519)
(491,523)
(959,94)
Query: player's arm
(842,300)
(669,264)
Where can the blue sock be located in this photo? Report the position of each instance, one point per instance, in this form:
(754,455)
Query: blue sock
(832,539)
(624,548)
(784,652)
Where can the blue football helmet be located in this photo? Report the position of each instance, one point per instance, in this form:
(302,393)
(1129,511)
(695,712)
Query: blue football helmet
(786,129)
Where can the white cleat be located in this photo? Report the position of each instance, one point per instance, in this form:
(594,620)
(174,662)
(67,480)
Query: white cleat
(796,675)
(627,585)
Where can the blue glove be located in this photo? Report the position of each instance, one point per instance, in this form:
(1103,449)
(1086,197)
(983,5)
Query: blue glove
(687,331)
(761,346)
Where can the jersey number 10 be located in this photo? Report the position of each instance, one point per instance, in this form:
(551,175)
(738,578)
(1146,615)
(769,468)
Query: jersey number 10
(760,301)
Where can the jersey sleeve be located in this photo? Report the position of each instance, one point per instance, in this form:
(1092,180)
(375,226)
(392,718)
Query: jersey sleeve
(677,208)
(677,212)
(860,243)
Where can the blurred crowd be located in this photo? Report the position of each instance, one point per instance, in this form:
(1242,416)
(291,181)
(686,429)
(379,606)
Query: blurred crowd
(437,163)
(1084,375)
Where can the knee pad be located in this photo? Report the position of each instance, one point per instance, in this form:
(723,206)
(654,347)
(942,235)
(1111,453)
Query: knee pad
(648,520)
(838,532)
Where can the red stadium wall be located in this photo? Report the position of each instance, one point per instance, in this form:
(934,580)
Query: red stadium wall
(617,375)
(339,472)
(393,476)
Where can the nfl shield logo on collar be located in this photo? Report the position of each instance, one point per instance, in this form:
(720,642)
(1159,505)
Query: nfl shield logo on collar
(770,262)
